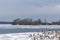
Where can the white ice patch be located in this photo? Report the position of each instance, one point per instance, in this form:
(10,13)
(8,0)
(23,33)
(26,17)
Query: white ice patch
(9,26)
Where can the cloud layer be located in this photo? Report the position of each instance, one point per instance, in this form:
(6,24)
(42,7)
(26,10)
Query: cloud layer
(12,9)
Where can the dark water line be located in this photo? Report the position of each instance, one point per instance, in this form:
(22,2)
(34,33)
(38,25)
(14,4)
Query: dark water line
(21,30)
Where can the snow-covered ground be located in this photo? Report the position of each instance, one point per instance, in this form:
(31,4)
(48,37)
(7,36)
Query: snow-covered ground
(42,35)
(14,36)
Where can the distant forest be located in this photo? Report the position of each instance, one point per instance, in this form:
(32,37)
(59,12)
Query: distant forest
(28,21)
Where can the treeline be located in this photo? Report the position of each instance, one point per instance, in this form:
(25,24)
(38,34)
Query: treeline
(28,21)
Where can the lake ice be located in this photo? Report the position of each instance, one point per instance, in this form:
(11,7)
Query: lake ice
(9,26)
(23,35)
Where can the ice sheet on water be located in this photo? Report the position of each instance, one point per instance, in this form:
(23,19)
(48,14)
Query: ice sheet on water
(22,36)
(9,26)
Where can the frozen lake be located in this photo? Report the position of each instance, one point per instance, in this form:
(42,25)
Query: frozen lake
(22,32)
(8,28)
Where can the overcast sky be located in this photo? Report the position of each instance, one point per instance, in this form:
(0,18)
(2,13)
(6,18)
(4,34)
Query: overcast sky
(43,9)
